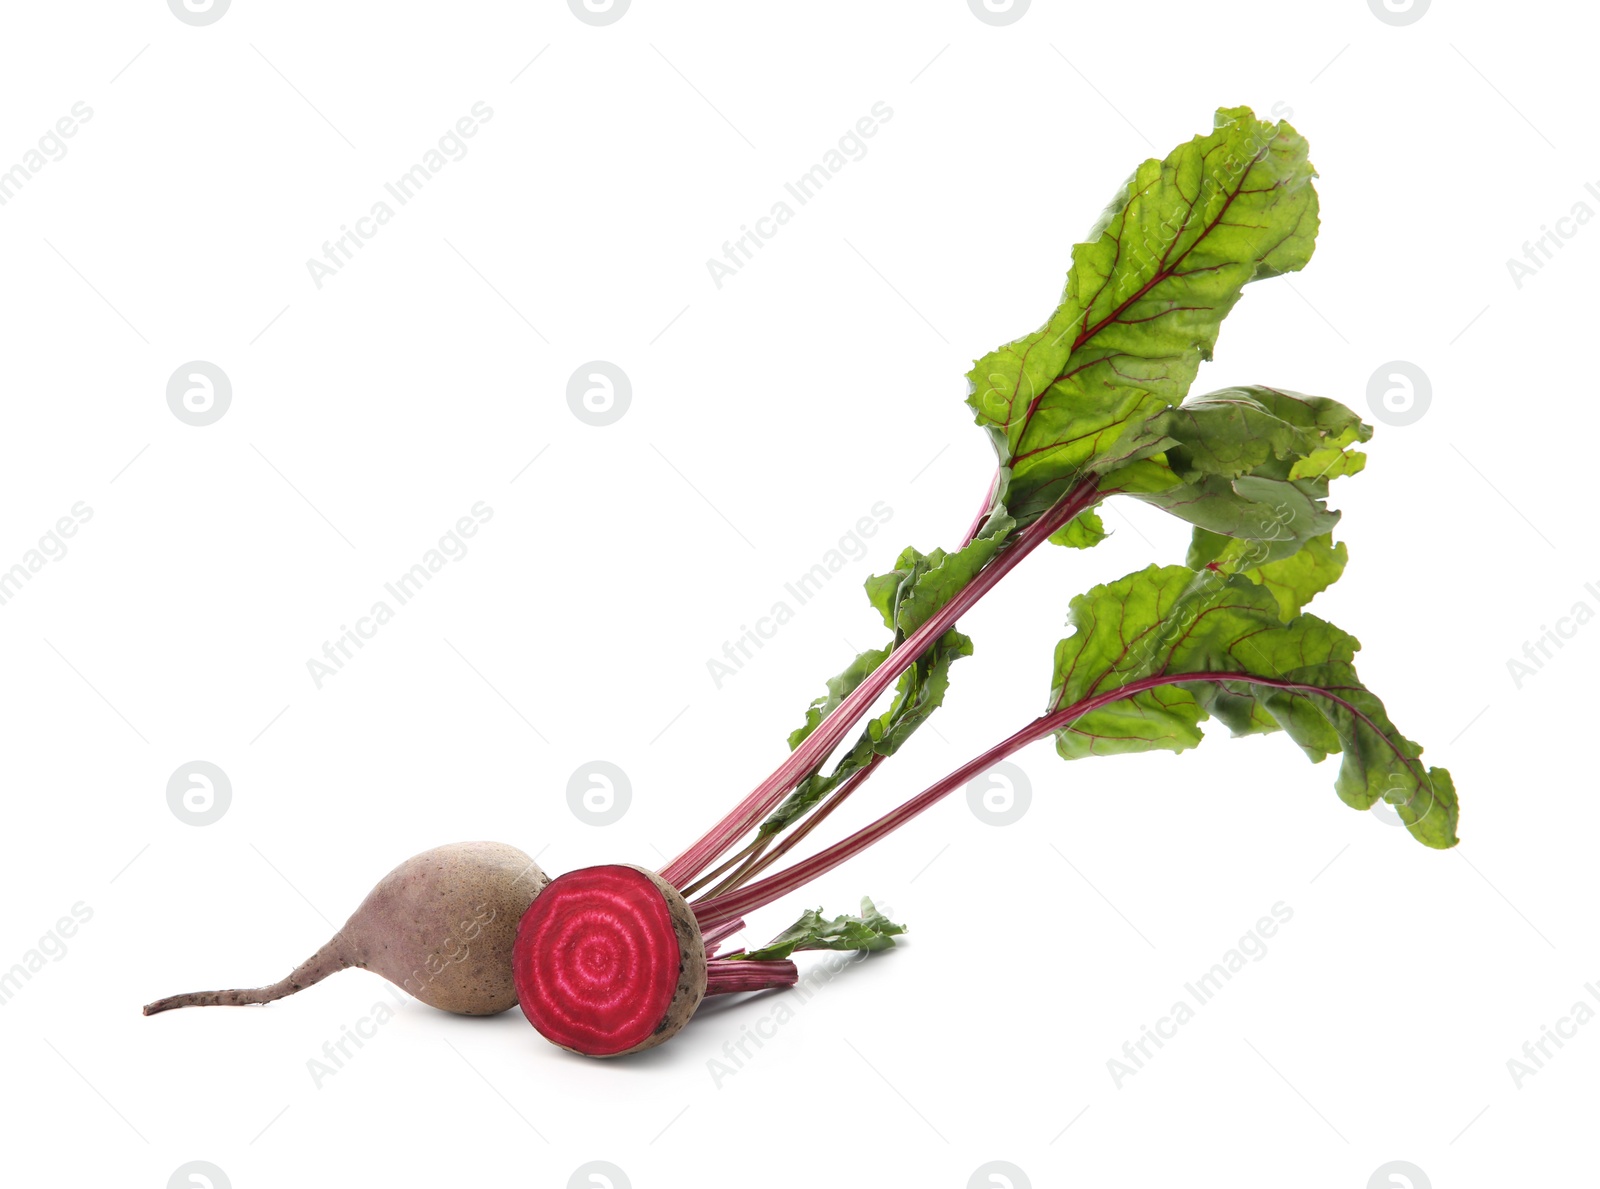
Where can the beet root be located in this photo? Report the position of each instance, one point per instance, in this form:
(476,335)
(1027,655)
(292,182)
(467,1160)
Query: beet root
(440,926)
(609,960)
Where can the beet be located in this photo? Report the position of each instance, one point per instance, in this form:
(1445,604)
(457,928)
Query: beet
(440,926)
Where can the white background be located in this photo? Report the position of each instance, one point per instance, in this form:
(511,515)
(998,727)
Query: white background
(767,416)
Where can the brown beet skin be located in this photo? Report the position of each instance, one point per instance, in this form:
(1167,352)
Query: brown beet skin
(440,926)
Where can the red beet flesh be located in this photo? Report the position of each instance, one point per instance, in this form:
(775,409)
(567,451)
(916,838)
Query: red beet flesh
(608,960)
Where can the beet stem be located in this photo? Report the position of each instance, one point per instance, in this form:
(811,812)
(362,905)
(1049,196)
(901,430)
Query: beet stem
(711,913)
(814,749)
(749,853)
(728,976)
(798,834)
(983,512)
(712,938)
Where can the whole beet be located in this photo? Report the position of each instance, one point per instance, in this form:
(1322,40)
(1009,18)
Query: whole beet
(440,926)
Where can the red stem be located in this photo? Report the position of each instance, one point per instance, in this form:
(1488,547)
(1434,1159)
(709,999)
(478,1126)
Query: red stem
(726,976)
(803,760)
(983,512)
(716,873)
(798,834)
(712,938)
(763,892)
(747,861)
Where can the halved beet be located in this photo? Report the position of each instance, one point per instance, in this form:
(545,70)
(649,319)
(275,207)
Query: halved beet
(609,960)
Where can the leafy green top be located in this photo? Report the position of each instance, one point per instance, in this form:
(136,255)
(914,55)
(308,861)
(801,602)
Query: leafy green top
(1095,404)
(1143,304)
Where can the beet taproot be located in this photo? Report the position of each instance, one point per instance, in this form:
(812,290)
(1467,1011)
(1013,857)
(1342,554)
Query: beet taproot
(440,926)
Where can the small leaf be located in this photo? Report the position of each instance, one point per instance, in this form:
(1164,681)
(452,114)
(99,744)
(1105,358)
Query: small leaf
(1083,531)
(919,691)
(871,931)
(918,586)
(921,584)
(1294,580)
(839,688)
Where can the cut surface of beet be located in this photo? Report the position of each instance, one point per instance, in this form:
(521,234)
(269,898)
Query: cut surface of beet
(608,960)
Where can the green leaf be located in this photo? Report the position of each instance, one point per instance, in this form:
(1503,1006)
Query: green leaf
(1250,463)
(1143,303)
(927,594)
(1294,580)
(1280,514)
(1333,462)
(871,931)
(919,691)
(918,586)
(1122,676)
(1255,431)
(1084,531)
(839,688)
